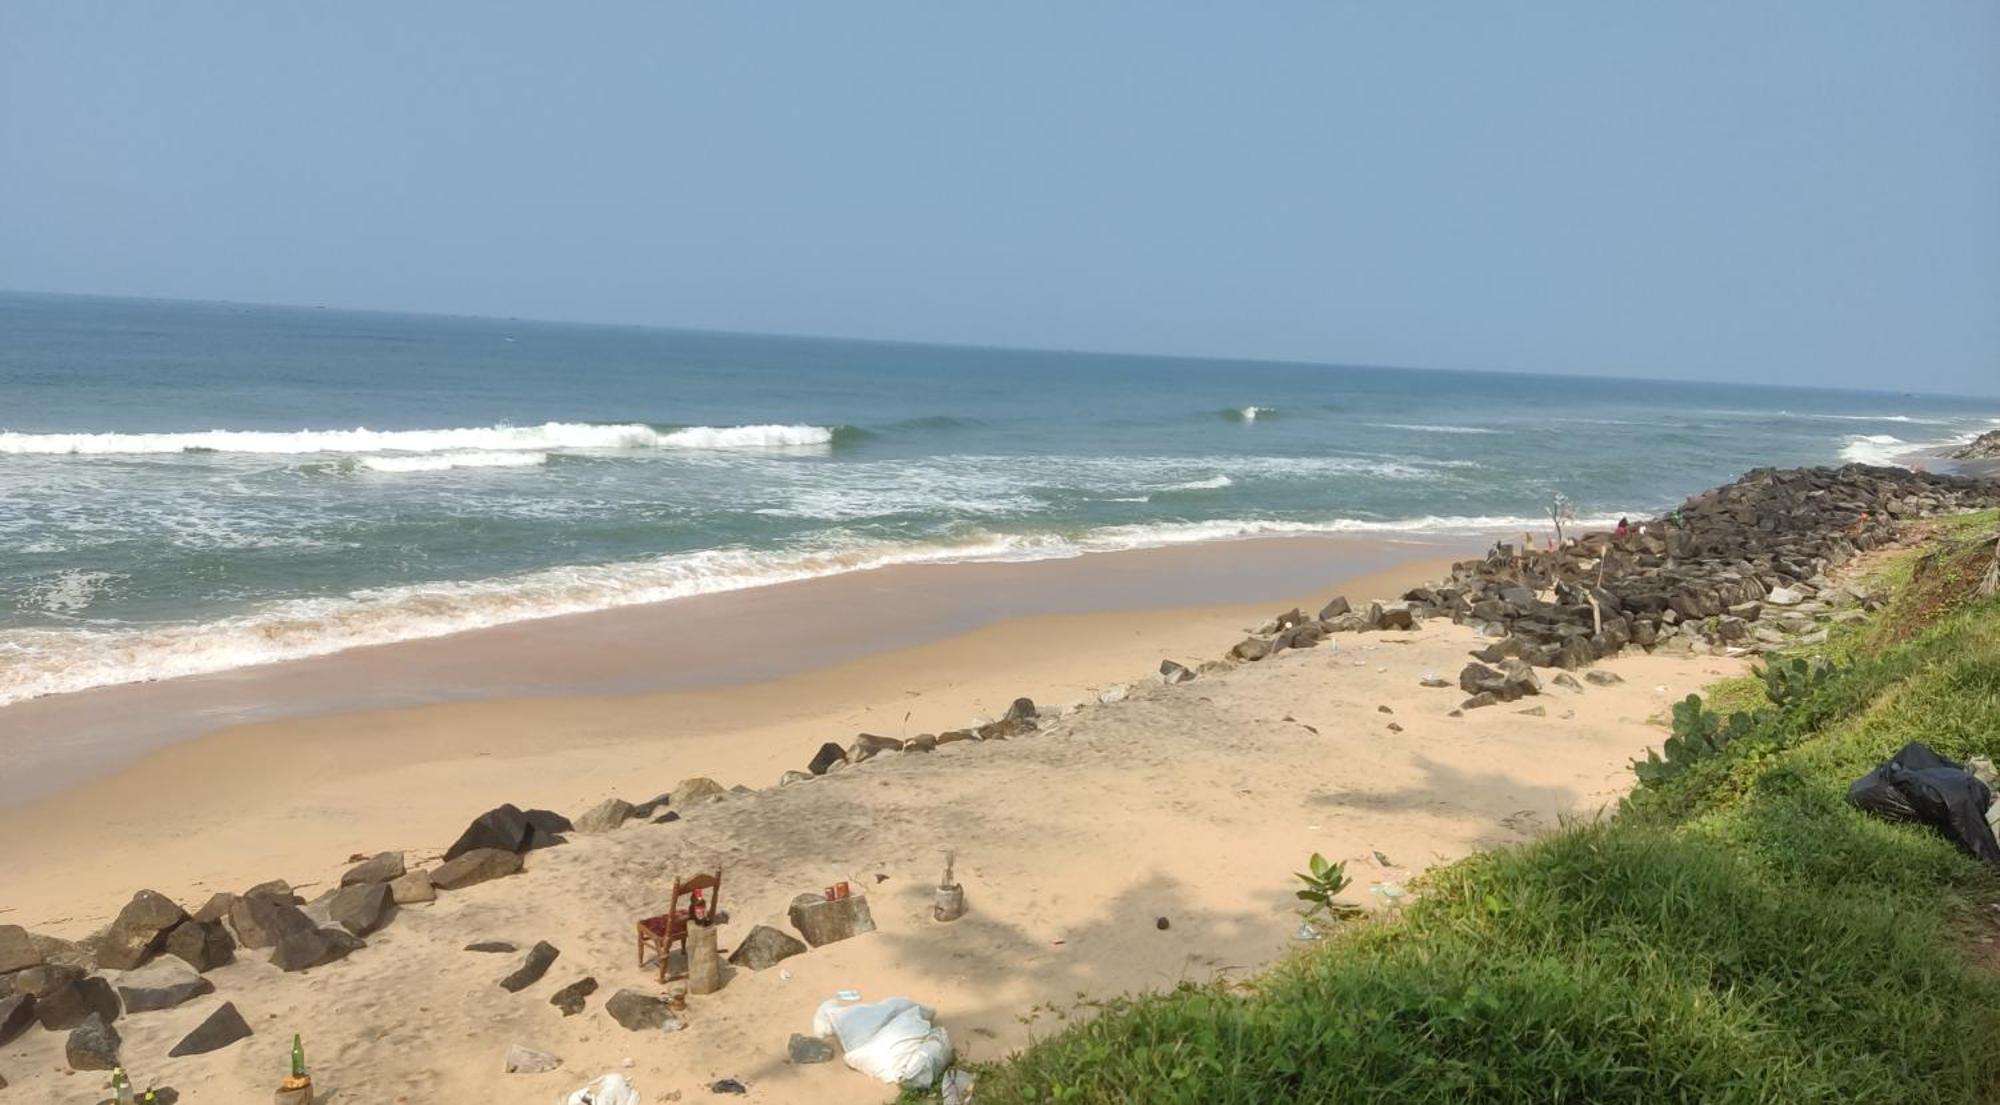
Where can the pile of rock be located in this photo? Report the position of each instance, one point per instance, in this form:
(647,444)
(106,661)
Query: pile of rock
(1022,717)
(1984,447)
(1738,567)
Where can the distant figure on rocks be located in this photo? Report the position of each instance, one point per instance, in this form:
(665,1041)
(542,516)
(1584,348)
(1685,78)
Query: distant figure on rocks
(1624,529)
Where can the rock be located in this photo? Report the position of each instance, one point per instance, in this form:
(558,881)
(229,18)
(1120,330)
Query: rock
(161,984)
(526,1060)
(532,968)
(16,950)
(1521,678)
(1534,711)
(1172,673)
(694,791)
(38,982)
(1478,677)
(316,947)
(17,1012)
(1384,710)
(502,829)
(1110,695)
(261,920)
(475,867)
(386,867)
(1434,681)
(1396,617)
(727,1086)
(362,908)
(92,1045)
(1395,728)
(223,1027)
(922,742)
(791,777)
(203,945)
(822,922)
(1162,924)
(954,736)
(276,888)
(70,1004)
(572,998)
(491,947)
(670,815)
(413,887)
(652,805)
(1457,713)
(639,1012)
(1567,682)
(828,755)
(1602,678)
(136,935)
(1483,698)
(765,947)
(1784,596)
(867,746)
(807,1049)
(1334,609)
(1251,648)
(604,816)
(216,908)
(545,829)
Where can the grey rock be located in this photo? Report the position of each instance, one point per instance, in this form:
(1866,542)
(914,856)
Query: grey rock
(572,998)
(1602,678)
(790,777)
(223,1027)
(16,950)
(652,805)
(474,867)
(828,755)
(727,1086)
(37,982)
(216,908)
(412,888)
(92,1045)
(868,745)
(527,1060)
(308,948)
(691,792)
(765,947)
(822,922)
(1785,596)
(604,816)
(386,867)
(639,1011)
(276,888)
(1483,698)
(362,907)
(261,920)
(203,945)
(491,947)
(17,1012)
(545,829)
(1534,711)
(922,742)
(1172,673)
(1567,682)
(136,935)
(808,1049)
(1251,648)
(1334,609)
(532,968)
(503,828)
(161,984)
(1434,681)
(954,736)
(70,1004)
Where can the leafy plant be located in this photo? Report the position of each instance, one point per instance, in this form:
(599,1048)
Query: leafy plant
(1788,681)
(1697,734)
(1324,881)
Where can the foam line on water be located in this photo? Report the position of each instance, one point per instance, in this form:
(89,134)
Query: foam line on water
(548,435)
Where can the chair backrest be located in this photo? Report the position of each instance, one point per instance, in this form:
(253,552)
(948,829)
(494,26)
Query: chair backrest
(684,887)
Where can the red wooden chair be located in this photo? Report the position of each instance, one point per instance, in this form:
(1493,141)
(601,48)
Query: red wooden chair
(670,928)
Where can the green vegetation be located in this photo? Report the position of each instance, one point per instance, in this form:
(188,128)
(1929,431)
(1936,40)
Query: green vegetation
(1734,933)
(1323,882)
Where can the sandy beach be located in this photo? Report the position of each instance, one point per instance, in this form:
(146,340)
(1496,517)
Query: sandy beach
(1191,803)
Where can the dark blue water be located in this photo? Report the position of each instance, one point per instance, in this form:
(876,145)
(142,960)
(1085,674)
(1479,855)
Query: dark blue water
(189,487)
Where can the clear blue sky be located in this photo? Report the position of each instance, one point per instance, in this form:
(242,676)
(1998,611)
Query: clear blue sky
(1776,192)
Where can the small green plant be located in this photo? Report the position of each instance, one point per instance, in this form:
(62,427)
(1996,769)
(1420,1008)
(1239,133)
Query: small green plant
(1324,881)
(1789,681)
(1697,734)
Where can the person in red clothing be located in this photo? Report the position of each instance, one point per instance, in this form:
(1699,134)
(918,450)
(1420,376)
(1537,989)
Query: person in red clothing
(1624,529)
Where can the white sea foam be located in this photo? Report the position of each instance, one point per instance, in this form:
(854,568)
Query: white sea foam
(1882,449)
(1435,429)
(1251,414)
(548,435)
(1215,483)
(441,462)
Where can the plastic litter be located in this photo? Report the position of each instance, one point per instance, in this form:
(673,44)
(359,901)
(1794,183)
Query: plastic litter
(1918,785)
(891,1041)
(610,1089)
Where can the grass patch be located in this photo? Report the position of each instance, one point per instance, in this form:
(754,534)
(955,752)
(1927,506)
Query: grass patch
(1735,933)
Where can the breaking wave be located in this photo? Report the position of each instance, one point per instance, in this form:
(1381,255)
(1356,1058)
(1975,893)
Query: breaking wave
(548,435)
(1248,414)
(1436,429)
(440,462)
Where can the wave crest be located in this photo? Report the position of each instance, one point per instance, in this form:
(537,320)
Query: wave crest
(548,435)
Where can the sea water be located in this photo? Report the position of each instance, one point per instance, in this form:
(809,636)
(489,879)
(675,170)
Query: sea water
(191,487)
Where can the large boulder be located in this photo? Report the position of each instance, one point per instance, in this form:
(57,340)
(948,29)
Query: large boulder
(545,828)
(72,1003)
(39,982)
(92,1045)
(413,887)
(604,816)
(822,922)
(386,867)
(639,1011)
(532,968)
(203,945)
(316,947)
(139,930)
(16,950)
(161,984)
(1334,609)
(361,908)
(17,1012)
(216,908)
(261,920)
(1251,648)
(765,947)
(502,828)
(223,1027)
(828,755)
(474,867)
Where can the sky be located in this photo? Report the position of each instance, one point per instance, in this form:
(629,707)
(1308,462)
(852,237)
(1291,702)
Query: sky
(1804,193)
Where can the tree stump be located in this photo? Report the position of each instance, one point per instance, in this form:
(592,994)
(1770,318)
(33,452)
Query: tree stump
(704,965)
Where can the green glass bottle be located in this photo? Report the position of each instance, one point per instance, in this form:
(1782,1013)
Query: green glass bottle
(121,1087)
(298,1057)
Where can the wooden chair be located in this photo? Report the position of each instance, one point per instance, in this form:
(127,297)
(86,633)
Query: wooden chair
(670,928)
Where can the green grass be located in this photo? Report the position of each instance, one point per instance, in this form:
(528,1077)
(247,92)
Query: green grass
(1735,933)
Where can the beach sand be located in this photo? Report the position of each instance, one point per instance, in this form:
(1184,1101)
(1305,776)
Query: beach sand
(1192,803)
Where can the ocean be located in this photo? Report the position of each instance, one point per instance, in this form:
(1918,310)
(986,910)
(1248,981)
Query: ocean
(195,487)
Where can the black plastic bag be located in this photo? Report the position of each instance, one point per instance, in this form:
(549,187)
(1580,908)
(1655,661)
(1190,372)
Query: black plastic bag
(1919,785)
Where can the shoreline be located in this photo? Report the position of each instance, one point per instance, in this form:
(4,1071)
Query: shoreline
(295,794)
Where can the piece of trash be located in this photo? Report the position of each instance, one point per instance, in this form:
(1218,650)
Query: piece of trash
(893,1041)
(1305,931)
(1389,891)
(849,995)
(1917,784)
(784,975)
(610,1089)
(956,1089)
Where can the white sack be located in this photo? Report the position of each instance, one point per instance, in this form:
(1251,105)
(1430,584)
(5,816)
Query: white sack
(892,1041)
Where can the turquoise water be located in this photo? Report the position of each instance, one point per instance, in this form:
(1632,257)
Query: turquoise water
(193,487)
